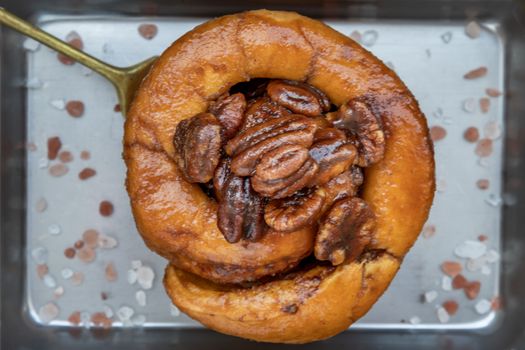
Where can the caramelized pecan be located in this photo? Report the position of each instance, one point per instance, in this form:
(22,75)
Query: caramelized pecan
(364,127)
(241,211)
(261,110)
(249,146)
(290,214)
(332,152)
(344,185)
(221,176)
(345,231)
(298,97)
(229,110)
(198,144)
(281,187)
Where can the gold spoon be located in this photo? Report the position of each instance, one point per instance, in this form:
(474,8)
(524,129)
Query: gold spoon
(126,80)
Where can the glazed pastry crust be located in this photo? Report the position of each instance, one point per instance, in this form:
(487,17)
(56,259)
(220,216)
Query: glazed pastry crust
(177,220)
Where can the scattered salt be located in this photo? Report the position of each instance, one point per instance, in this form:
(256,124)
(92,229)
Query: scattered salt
(58,104)
(54,229)
(124,313)
(469,105)
(174,311)
(470,249)
(48,312)
(132,276)
(442,315)
(140,295)
(483,306)
(430,296)
(446,283)
(66,273)
(77,278)
(59,291)
(493,200)
(39,255)
(492,256)
(135,264)
(85,319)
(145,277)
(473,29)
(369,37)
(49,281)
(414,320)
(43,163)
(107,242)
(138,320)
(356,35)
(492,130)
(108,311)
(111,272)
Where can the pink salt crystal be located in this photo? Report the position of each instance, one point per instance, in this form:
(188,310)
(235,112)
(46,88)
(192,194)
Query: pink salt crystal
(493,92)
(476,73)
(65,157)
(78,278)
(451,307)
(41,205)
(451,268)
(58,170)
(85,155)
(484,148)
(42,270)
(111,272)
(48,312)
(74,318)
(100,319)
(429,231)
(90,238)
(484,104)
(148,31)
(86,254)
(437,133)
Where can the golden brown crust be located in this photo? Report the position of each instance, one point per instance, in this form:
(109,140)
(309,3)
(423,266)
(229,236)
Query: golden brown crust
(177,220)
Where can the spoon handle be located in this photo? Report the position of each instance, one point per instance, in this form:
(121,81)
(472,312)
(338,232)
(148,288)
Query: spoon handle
(112,73)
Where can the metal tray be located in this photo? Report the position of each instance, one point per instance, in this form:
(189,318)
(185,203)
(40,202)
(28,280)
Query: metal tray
(430,55)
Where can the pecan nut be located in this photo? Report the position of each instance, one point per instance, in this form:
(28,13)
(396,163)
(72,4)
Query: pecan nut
(357,118)
(241,211)
(248,147)
(345,231)
(290,214)
(332,152)
(220,177)
(261,110)
(198,144)
(283,171)
(229,110)
(298,97)
(344,185)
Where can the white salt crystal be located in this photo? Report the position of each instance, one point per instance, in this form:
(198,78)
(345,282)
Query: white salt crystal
(132,276)
(31,45)
(473,30)
(174,311)
(34,83)
(469,105)
(486,270)
(140,295)
(369,37)
(470,249)
(108,311)
(483,306)
(39,255)
(58,104)
(492,130)
(493,200)
(54,229)
(48,312)
(138,320)
(49,281)
(66,273)
(107,242)
(59,291)
(430,296)
(145,277)
(442,315)
(492,256)
(43,163)
(125,313)
(85,319)
(446,283)
(135,264)
(414,320)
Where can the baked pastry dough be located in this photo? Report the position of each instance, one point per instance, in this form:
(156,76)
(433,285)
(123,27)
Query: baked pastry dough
(179,221)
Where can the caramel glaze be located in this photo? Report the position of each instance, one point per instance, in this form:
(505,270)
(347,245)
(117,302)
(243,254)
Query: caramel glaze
(178,221)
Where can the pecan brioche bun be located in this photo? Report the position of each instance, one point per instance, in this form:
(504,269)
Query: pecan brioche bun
(188,131)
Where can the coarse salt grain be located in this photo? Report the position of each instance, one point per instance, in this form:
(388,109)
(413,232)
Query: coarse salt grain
(482,238)
(48,312)
(106,208)
(41,205)
(469,105)
(429,231)
(442,315)
(79,244)
(59,291)
(486,270)
(472,289)
(414,320)
(496,303)
(125,313)
(132,276)
(107,242)
(356,36)
(470,249)
(446,37)
(74,318)
(65,157)
(471,134)
(58,104)
(473,30)
(492,92)
(75,108)
(86,254)
(140,295)
(85,155)
(369,37)
(54,229)
(66,273)
(174,311)
(476,73)
(484,104)
(145,277)
(136,264)
(70,253)
(492,256)
(492,130)
(437,133)
(493,200)
(39,255)
(446,283)
(43,163)
(483,184)
(430,296)
(483,306)
(86,173)
(108,311)
(49,281)
(111,272)
(100,319)
(451,268)
(78,278)
(451,307)
(459,282)
(53,147)
(31,45)
(42,270)
(58,170)
(90,238)
(474,265)
(148,31)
